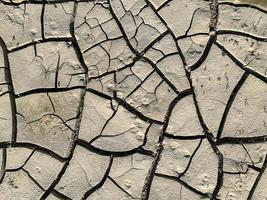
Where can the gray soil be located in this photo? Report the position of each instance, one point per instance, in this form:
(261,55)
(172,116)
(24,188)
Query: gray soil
(133,99)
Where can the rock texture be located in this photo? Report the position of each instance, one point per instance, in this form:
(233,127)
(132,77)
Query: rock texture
(133,99)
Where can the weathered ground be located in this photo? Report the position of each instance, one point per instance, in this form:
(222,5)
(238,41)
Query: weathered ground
(133,99)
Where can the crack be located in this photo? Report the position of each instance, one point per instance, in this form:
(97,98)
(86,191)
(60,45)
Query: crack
(30,176)
(3,165)
(230,102)
(33,146)
(138,55)
(127,106)
(8,79)
(39,41)
(101,183)
(240,64)
(184,184)
(164,4)
(244,5)
(60,195)
(79,110)
(42,19)
(205,53)
(178,137)
(102,152)
(151,173)
(47,90)
(241,33)
(254,187)
(242,140)
(25,162)
(115,183)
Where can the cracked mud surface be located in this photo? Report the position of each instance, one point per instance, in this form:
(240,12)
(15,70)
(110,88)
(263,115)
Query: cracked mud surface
(123,99)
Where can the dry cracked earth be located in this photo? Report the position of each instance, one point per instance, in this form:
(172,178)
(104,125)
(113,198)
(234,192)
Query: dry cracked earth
(133,99)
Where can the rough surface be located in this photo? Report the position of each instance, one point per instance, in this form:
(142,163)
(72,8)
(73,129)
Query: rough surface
(133,99)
